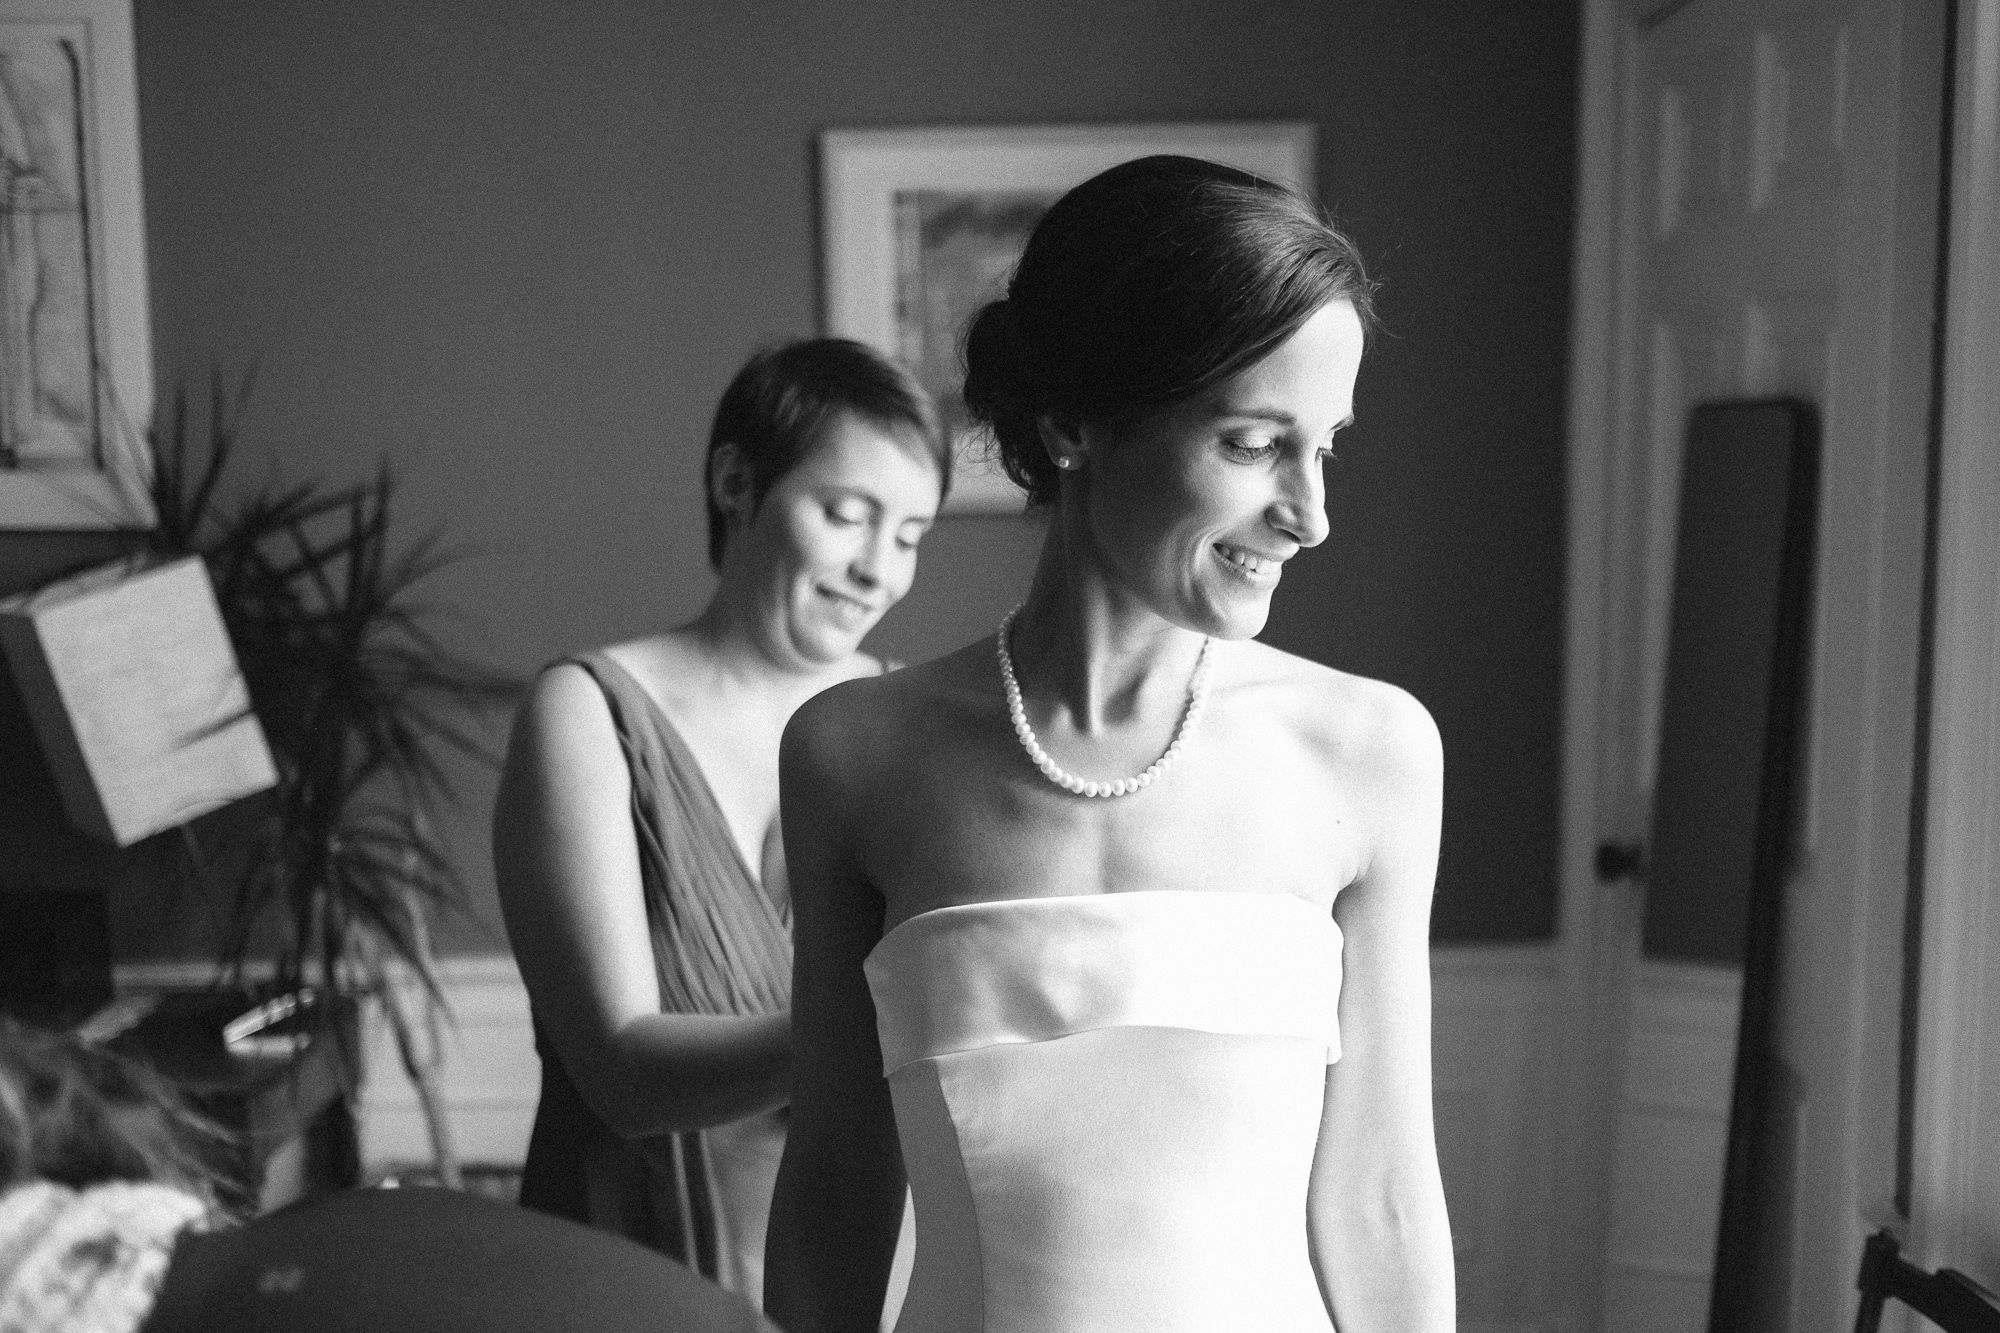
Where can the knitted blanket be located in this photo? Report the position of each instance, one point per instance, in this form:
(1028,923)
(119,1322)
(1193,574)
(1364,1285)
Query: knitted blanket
(87,1261)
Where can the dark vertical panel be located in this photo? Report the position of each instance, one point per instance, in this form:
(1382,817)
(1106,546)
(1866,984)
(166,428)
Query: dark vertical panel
(1724,805)
(1721,805)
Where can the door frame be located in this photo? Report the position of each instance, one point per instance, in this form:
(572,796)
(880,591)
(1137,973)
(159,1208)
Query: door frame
(1955,1172)
(1597,923)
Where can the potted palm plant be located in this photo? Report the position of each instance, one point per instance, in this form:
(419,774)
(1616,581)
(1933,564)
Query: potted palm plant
(337,871)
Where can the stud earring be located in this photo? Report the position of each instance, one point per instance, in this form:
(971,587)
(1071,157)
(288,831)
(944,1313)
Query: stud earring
(1065,462)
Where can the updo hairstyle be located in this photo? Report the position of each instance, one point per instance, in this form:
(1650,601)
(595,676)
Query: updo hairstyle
(1144,285)
(778,404)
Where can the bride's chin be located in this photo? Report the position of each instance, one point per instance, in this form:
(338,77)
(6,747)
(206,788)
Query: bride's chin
(1234,617)
(1243,627)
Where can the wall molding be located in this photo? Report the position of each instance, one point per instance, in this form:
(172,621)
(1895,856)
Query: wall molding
(1492,1008)
(490,1075)
(1674,1133)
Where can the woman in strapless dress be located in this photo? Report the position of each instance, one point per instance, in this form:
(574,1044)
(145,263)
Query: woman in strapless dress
(1112,929)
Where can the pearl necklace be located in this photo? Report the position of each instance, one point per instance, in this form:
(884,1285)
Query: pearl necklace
(1070,782)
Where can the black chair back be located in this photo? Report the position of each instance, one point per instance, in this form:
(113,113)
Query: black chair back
(422,1260)
(1948,1298)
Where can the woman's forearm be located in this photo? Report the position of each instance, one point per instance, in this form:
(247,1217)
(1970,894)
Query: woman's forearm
(1387,1266)
(832,1237)
(663,1073)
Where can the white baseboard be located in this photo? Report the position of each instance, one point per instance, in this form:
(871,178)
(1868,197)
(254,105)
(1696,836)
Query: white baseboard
(1491,1055)
(490,1076)
(1672,1133)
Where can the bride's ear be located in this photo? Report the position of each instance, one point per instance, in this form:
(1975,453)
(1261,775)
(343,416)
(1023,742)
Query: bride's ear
(1063,440)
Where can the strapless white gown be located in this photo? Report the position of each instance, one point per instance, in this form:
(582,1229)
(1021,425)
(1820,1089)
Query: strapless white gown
(1108,1107)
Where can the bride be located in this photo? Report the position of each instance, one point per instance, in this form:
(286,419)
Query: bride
(1113,927)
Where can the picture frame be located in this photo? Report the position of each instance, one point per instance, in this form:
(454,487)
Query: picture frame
(76,374)
(920,227)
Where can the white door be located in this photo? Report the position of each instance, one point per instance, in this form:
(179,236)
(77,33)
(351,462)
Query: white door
(1754,141)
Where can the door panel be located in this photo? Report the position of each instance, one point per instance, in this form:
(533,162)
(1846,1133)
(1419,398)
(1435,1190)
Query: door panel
(1742,106)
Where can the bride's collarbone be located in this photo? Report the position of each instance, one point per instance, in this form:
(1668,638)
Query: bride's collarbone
(1056,844)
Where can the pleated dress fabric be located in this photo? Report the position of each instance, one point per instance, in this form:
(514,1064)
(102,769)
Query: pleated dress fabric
(721,945)
(1108,1108)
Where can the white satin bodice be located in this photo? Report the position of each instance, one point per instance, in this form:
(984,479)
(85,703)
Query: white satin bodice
(1108,1107)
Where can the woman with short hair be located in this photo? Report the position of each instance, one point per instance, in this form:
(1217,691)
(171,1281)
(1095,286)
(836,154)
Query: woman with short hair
(635,835)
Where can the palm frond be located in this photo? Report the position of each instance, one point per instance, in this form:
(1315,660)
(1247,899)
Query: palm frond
(362,701)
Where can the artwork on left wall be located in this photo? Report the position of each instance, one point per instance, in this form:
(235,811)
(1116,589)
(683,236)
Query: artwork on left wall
(76,388)
(922,227)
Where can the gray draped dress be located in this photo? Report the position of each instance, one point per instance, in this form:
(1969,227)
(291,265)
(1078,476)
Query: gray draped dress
(721,945)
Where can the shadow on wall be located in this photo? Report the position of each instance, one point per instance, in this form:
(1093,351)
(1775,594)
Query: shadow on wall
(971,571)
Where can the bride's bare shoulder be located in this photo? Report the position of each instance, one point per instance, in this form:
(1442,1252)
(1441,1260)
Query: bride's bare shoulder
(1351,720)
(872,724)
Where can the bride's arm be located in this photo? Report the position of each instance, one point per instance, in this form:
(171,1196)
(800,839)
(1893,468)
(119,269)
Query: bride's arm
(839,1197)
(1377,1224)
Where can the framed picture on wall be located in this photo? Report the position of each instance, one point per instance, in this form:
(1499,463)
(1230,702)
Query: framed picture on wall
(921,227)
(76,388)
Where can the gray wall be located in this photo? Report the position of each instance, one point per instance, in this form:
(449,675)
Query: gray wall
(519,248)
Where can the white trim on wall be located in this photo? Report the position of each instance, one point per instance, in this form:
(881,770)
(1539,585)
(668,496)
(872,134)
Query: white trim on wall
(1492,1011)
(1674,1130)
(490,1075)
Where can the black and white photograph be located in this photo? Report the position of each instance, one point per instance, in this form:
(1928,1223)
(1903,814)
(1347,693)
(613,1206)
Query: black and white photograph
(912,667)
